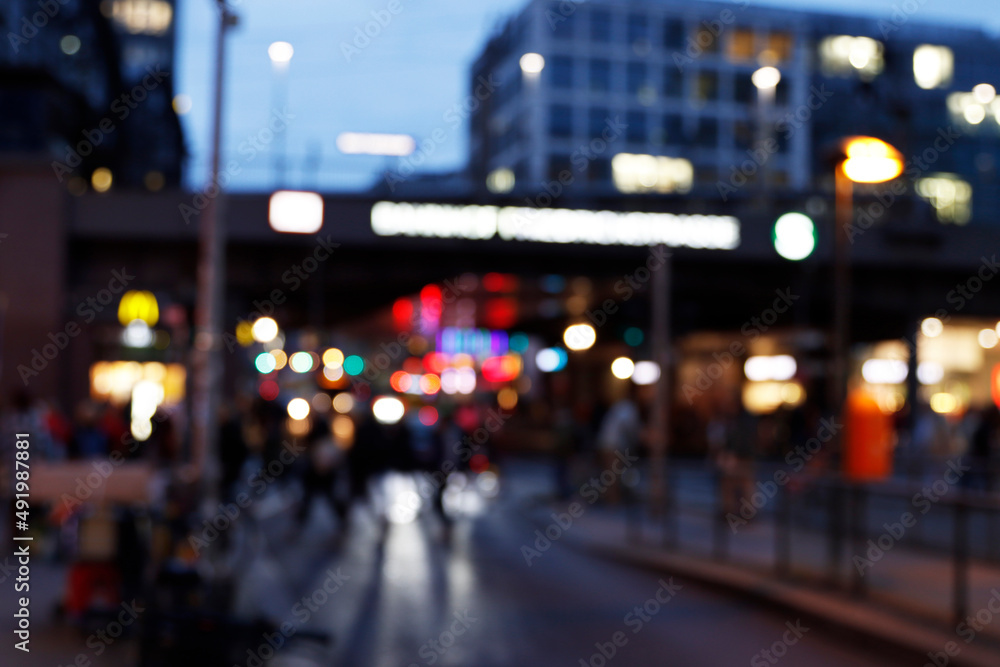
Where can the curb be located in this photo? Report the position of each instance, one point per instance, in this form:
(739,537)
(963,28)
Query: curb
(877,629)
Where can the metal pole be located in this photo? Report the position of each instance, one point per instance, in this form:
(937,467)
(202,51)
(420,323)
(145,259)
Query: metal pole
(660,417)
(960,573)
(206,361)
(844,215)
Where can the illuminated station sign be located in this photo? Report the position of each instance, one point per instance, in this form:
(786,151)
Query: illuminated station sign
(554,225)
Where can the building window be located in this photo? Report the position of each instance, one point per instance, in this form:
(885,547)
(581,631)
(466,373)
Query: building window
(638,28)
(780,45)
(673,34)
(706,87)
(561,120)
(744,92)
(741,46)
(843,55)
(600,76)
(651,173)
(673,82)
(561,22)
(600,25)
(597,121)
(743,134)
(933,66)
(562,72)
(560,169)
(599,170)
(672,129)
(636,131)
(708,132)
(950,196)
(706,39)
(635,77)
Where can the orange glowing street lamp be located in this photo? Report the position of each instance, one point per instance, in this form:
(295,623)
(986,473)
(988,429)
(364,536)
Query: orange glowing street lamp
(863,160)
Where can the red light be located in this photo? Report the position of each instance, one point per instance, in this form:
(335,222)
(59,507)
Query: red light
(428,415)
(479,463)
(402,314)
(401,381)
(268,390)
(435,362)
(500,313)
(499,282)
(430,293)
(500,369)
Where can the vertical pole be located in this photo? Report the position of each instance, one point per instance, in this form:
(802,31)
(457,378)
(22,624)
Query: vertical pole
(844,214)
(960,599)
(206,362)
(660,417)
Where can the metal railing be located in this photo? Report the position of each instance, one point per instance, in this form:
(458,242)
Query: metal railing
(825,514)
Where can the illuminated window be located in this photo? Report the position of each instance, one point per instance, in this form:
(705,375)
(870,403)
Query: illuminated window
(741,45)
(780,45)
(649,173)
(844,55)
(973,108)
(950,196)
(933,66)
(143,17)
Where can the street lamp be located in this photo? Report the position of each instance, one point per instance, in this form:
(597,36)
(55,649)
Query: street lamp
(280,54)
(766,80)
(864,160)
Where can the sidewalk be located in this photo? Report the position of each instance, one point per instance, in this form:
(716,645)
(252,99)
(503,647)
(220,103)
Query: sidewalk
(909,589)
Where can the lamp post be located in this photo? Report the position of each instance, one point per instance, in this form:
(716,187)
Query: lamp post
(280,54)
(766,80)
(206,361)
(865,160)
